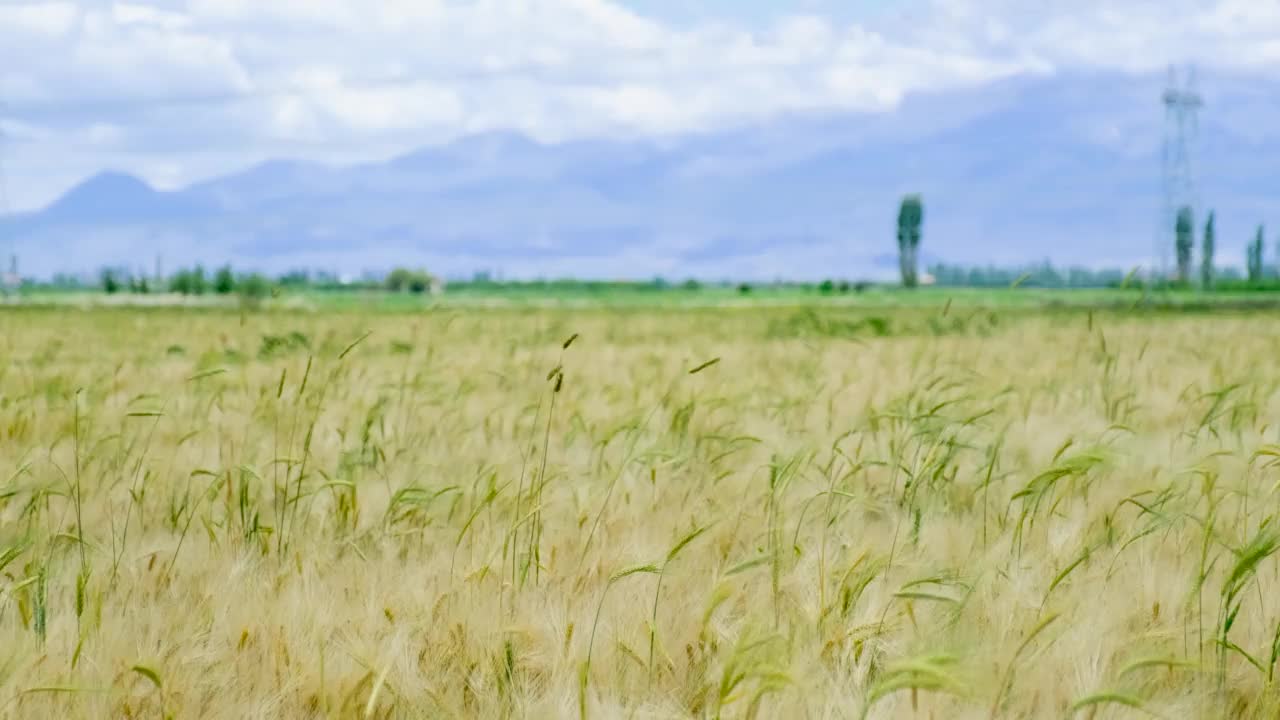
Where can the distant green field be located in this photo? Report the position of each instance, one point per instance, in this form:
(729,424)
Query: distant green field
(637,295)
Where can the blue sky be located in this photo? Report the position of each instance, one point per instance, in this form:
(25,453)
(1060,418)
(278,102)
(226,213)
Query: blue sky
(179,90)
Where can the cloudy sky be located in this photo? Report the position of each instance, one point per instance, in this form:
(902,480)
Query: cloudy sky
(178,90)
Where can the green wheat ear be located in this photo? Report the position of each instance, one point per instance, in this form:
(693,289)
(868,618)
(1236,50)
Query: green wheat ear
(930,673)
(1105,698)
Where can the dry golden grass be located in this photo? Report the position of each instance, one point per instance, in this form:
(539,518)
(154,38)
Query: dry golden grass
(301,516)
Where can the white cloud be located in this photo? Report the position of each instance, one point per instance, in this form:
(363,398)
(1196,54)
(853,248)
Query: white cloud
(103,134)
(326,101)
(130,14)
(52,19)
(269,77)
(1135,35)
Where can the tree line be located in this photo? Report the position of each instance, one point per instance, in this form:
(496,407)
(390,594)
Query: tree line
(197,281)
(186,281)
(911,221)
(1184,247)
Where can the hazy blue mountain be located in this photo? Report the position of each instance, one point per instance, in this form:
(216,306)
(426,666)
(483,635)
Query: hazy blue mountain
(115,197)
(1034,168)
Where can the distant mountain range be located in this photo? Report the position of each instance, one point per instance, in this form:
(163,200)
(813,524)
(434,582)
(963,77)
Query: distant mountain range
(1065,168)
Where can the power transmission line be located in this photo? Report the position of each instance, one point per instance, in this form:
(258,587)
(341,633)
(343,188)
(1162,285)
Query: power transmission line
(1181,186)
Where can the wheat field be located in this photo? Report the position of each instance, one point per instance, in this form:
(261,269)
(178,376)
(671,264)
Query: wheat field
(638,514)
